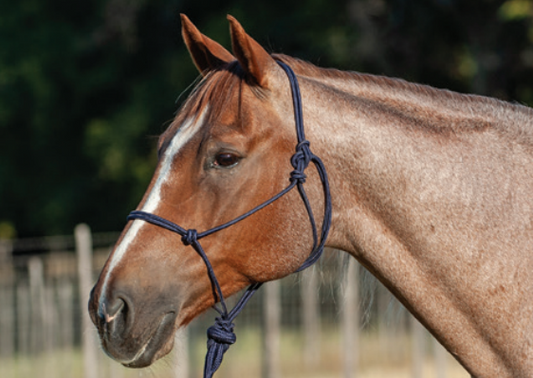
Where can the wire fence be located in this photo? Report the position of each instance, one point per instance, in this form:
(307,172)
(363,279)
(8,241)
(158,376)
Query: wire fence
(332,320)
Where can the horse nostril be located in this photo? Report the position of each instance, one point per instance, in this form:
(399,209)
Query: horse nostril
(114,315)
(109,311)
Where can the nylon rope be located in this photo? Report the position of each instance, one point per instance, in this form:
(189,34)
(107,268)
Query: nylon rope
(220,335)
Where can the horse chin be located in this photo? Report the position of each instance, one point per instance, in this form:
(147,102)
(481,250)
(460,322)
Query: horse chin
(158,345)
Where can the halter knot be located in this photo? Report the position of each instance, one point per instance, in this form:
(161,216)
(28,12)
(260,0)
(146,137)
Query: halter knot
(300,160)
(189,237)
(222,332)
(219,338)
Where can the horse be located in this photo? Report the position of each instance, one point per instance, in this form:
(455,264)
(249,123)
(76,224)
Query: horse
(431,191)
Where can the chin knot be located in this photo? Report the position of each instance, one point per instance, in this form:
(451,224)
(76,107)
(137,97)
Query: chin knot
(190,237)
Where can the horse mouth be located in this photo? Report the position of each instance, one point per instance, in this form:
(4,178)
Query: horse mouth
(157,345)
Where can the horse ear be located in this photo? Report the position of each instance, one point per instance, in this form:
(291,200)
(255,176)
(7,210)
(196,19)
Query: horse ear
(205,53)
(253,58)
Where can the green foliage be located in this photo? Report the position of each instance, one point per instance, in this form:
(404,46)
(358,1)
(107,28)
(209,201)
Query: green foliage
(86,88)
(515,10)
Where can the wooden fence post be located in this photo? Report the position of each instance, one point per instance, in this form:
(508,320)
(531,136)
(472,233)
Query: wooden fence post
(84,248)
(65,334)
(383,301)
(181,353)
(42,308)
(440,354)
(35,269)
(311,317)
(350,319)
(24,322)
(7,302)
(7,320)
(418,355)
(7,313)
(65,293)
(271,338)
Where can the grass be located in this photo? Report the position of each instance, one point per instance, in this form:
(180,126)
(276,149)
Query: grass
(386,357)
(378,357)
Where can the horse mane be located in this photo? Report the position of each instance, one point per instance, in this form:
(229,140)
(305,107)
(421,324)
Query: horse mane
(451,108)
(304,68)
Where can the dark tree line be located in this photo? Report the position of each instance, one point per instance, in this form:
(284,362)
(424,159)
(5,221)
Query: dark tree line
(86,87)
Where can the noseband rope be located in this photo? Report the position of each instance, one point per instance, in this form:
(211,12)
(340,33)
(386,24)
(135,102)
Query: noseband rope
(220,335)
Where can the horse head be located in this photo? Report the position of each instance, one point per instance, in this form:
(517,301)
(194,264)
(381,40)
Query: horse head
(227,151)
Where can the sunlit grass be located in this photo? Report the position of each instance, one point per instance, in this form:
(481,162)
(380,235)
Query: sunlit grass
(378,357)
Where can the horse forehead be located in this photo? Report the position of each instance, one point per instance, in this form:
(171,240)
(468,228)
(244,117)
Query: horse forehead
(205,118)
(225,108)
(180,132)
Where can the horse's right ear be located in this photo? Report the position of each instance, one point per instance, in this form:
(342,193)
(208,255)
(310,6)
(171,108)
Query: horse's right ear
(253,58)
(206,54)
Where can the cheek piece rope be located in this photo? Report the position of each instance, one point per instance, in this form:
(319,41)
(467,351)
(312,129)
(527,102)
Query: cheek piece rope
(220,335)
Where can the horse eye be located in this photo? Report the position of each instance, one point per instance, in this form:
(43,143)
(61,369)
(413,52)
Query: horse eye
(226,160)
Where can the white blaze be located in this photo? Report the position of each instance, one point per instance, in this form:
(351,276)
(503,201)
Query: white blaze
(183,135)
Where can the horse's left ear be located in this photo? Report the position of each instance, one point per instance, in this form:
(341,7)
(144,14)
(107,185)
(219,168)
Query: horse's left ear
(206,54)
(256,62)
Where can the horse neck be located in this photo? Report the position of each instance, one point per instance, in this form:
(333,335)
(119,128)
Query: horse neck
(416,178)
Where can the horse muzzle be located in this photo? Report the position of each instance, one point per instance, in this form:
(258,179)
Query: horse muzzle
(127,335)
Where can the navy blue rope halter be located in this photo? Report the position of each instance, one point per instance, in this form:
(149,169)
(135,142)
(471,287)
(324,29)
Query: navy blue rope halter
(220,335)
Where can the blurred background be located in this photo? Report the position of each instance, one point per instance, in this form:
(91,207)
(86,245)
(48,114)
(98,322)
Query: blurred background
(87,87)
